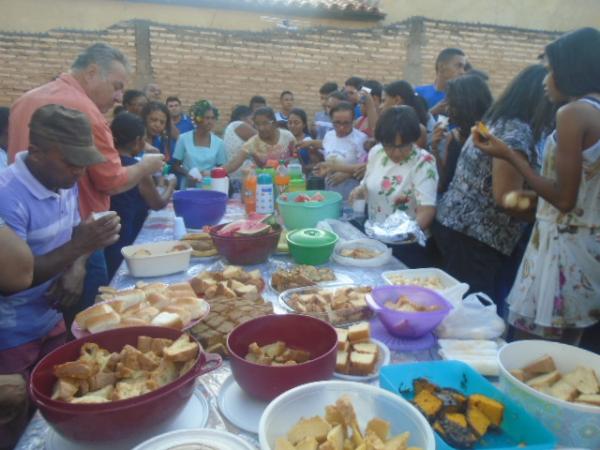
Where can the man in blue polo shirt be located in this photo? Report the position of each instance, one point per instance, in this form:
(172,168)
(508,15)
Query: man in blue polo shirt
(182,122)
(39,202)
(449,64)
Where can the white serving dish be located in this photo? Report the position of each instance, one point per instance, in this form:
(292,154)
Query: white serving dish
(453,290)
(573,424)
(384,253)
(159,262)
(213,439)
(369,401)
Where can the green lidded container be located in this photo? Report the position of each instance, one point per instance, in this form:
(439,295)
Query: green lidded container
(307,214)
(311,245)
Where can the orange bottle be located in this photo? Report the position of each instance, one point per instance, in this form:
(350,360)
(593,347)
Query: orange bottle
(250,184)
(282,178)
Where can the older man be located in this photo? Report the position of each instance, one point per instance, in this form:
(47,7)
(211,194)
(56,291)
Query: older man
(95,82)
(38,200)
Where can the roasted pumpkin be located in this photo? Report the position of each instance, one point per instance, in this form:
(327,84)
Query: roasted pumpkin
(457,432)
(428,404)
(477,420)
(491,408)
(423,384)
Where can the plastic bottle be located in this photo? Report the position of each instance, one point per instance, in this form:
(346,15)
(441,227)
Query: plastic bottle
(220,180)
(282,178)
(207,183)
(264,194)
(250,191)
(295,169)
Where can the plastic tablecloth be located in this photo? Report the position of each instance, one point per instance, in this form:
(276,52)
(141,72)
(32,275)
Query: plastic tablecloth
(161,226)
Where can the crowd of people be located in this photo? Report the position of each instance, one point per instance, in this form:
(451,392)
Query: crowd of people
(402,148)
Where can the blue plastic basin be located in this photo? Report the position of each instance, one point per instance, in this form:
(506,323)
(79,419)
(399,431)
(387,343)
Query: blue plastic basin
(199,208)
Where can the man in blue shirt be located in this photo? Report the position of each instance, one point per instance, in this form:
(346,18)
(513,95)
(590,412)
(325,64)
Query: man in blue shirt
(181,121)
(39,202)
(449,64)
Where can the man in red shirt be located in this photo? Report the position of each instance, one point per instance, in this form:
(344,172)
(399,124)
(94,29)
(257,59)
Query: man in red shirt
(94,84)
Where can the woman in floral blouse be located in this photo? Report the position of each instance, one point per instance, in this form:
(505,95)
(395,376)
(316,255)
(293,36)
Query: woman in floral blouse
(400,177)
(473,231)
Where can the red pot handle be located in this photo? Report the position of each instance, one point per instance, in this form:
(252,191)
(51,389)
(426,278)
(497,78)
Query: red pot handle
(212,361)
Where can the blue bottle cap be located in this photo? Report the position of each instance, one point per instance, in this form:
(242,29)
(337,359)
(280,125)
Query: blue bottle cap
(265,178)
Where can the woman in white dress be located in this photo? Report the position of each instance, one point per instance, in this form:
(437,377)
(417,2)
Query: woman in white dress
(557,291)
(236,134)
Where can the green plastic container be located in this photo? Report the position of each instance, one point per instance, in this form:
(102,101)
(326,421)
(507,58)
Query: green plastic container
(307,214)
(311,246)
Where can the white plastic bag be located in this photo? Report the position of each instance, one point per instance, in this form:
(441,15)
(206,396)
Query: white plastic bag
(475,318)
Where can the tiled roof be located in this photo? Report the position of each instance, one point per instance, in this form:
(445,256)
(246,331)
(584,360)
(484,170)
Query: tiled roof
(345,8)
(351,6)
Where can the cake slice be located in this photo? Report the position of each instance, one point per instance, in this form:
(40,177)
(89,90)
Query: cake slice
(362,363)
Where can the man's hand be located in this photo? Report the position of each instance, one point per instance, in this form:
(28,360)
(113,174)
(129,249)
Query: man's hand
(359,173)
(93,235)
(439,132)
(68,289)
(337,177)
(322,169)
(152,165)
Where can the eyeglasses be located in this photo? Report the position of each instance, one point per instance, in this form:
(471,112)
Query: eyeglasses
(338,123)
(263,124)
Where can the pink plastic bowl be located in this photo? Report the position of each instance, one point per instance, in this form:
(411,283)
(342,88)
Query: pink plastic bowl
(245,250)
(297,331)
(121,419)
(408,324)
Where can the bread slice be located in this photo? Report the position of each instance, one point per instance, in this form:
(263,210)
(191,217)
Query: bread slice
(182,349)
(283,444)
(167,319)
(132,322)
(309,443)
(359,332)
(103,322)
(131,297)
(158,300)
(194,305)
(362,363)
(563,390)
(146,314)
(519,375)
(315,427)
(183,313)
(542,365)
(584,379)
(399,442)
(342,363)
(91,312)
(590,399)
(544,380)
(342,336)
(380,427)
(366,347)
(335,438)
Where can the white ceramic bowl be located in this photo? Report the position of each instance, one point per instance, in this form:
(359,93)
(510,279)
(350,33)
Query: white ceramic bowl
(369,401)
(219,440)
(160,261)
(573,424)
(452,290)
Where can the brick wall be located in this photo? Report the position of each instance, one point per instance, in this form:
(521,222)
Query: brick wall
(229,67)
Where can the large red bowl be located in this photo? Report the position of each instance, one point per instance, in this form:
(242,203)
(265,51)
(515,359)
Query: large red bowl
(245,250)
(297,331)
(102,422)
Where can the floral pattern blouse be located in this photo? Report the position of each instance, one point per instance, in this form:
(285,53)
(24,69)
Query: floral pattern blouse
(468,205)
(399,186)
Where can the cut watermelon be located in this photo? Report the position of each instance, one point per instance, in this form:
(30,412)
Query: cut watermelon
(318,197)
(302,198)
(231,228)
(251,228)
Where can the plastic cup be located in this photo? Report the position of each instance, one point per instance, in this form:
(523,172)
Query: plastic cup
(99,215)
(153,156)
(358,206)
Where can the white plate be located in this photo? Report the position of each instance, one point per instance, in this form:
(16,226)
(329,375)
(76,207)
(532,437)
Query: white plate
(219,440)
(194,414)
(383,359)
(238,407)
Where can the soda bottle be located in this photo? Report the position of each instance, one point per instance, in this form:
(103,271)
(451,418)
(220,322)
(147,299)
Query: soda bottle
(250,191)
(282,178)
(264,194)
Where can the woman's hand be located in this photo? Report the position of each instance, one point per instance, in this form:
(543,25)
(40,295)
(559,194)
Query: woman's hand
(439,132)
(491,145)
(359,173)
(358,193)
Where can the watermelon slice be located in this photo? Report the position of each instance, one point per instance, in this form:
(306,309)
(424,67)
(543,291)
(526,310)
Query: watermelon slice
(252,228)
(302,198)
(317,197)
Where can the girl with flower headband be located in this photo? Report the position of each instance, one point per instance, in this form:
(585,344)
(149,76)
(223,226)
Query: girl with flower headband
(199,148)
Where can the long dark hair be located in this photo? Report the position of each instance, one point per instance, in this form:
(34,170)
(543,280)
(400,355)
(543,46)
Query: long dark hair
(521,99)
(167,141)
(302,114)
(405,90)
(469,98)
(575,62)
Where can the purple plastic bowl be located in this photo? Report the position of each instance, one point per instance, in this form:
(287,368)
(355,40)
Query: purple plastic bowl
(408,324)
(199,208)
